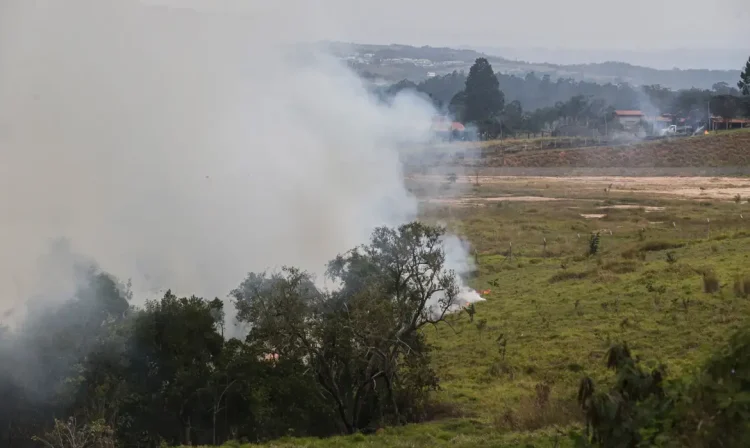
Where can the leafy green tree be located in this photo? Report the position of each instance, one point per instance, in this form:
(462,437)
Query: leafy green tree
(361,343)
(178,348)
(744,82)
(457,105)
(484,102)
(512,117)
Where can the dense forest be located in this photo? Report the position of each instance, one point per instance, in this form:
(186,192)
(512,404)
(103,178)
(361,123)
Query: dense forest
(315,362)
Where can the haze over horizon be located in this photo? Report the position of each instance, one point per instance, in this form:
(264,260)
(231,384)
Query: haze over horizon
(670,33)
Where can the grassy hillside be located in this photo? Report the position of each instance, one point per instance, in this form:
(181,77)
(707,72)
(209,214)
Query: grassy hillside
(714,150)
(509,378)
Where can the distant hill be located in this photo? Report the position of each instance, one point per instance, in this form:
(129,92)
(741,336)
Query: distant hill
(391,63)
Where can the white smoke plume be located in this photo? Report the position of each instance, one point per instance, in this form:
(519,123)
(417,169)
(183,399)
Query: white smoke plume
(182,148)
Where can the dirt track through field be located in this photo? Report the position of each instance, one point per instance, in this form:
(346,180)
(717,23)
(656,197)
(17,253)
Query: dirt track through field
(721,188)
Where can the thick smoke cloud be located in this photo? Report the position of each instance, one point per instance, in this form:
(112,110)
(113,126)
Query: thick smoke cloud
(182,149)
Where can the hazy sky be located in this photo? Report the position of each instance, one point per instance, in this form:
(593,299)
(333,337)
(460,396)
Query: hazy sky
(581,24)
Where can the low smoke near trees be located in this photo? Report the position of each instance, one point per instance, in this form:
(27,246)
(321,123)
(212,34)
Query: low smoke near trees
(179,149)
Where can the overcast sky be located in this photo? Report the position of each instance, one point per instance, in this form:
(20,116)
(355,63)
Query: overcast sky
(579,24)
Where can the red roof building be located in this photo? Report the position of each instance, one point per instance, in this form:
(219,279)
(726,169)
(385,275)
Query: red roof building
(629,113)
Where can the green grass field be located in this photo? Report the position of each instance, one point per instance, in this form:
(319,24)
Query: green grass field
(509,378)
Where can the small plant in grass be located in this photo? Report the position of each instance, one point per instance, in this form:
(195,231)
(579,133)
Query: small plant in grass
(671,258)
(539,411)
(481,325)
(471,310)
(641,234)
(500,368)
(686,304)
(477,171)
(502,345)
(594,241)
(741,286)
(738,198)
(660,289)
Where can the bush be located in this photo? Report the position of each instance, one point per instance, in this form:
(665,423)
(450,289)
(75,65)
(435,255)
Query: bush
(657,246)
(641,409)
(620,267)
(634,253)
(538,411)
(710,282)
(569,275)
(594,241)
(501,368)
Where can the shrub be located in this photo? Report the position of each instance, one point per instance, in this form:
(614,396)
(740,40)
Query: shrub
(710,281)
(538,411)
(594,243)
(657,246)
(569,275)
(605,277)
(500,368)
(482,324)
(620,267)
(634,253)
(440,410)
(671,258)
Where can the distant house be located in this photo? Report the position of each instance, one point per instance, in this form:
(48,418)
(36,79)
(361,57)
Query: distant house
(659,122)
(447,129)
(719,123)
(629,119)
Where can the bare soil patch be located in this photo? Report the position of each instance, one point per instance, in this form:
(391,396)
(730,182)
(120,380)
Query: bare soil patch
(709,188)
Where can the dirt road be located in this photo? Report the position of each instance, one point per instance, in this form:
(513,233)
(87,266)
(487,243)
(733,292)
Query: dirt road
(521,187)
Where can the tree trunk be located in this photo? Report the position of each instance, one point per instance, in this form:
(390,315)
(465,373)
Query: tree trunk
(389,385)
(188,442)
(213,437)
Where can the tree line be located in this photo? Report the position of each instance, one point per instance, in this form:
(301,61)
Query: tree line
(315,362)
(507,104)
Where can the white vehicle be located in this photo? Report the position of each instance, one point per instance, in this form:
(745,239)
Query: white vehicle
(670,130)
(673,130)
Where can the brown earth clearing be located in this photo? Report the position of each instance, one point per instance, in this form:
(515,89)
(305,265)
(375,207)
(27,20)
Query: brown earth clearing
(546,188)
(721,149)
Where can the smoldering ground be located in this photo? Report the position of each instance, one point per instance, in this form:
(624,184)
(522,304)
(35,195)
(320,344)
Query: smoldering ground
(181,148)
